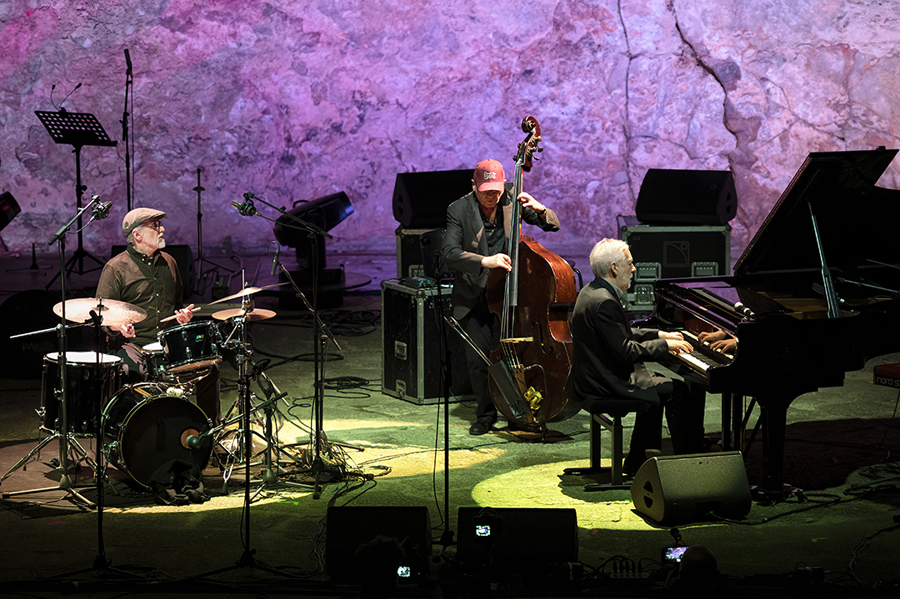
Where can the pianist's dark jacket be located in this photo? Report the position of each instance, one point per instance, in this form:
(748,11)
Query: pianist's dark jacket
(608,354)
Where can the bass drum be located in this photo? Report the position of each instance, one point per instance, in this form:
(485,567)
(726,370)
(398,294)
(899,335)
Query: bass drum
(146,428)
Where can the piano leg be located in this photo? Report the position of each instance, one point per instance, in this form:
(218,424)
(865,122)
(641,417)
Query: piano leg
(774,416)
(727,422)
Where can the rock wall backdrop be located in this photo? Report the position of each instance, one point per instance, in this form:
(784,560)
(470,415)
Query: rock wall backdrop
(294,100)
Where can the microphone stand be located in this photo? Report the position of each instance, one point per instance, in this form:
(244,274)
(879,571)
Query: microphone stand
(129,84)
(200,259)
(61,393)
(321,335)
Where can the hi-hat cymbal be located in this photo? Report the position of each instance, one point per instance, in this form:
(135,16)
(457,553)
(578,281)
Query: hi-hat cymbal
(113,312)
(246,291)
(256,314)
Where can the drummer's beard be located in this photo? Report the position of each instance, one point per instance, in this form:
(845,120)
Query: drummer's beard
(160,242)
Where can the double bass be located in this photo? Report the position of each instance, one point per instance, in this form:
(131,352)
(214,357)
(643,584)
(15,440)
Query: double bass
(529,368)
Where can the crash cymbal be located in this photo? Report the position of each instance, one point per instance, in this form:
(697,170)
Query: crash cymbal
(246,291)
(256,314)
(113,312)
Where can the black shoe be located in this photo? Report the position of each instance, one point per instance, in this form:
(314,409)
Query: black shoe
(482,425)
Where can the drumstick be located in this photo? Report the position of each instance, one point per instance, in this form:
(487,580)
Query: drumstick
(174,316)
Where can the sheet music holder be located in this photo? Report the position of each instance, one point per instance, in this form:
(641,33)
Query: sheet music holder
(77,129)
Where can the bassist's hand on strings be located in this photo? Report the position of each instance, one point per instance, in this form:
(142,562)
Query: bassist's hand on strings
(529,202)
(497,261)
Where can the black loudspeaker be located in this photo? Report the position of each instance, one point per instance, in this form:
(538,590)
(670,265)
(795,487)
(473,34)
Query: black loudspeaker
(679,489)
(508,540)
(9,208)
(421,199)
(361,542)
(185,259)
(676,197)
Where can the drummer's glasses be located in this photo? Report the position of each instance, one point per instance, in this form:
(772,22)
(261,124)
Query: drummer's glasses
(155,225)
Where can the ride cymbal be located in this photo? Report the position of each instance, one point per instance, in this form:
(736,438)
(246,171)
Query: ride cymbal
(246,291)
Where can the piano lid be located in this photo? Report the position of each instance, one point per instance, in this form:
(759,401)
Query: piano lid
(857,220)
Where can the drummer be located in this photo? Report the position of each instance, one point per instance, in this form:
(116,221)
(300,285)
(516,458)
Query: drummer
(149,278)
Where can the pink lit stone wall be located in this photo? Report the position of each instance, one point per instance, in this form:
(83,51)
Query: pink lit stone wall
(295,100)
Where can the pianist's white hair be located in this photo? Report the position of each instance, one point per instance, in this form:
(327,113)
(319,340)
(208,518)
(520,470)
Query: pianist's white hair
(605,253)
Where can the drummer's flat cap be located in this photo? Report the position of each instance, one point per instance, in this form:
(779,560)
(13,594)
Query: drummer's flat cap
(136,217)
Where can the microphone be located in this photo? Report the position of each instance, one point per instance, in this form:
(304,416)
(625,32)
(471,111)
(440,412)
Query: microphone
(192,441)
(127,62)
(61,109)
(100,210)
(246,208)
(275,261)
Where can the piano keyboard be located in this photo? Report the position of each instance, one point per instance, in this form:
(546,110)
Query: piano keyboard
(702,358)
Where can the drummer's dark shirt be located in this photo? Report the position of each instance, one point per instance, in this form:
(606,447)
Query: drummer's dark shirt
(150,283)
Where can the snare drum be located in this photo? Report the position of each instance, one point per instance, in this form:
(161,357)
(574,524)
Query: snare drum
(147,425)
(84,390)
(190,346)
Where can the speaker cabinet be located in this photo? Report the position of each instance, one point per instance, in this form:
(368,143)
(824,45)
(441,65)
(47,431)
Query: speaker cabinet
(9,208)
(185,259)
(361,542)
(421,199)
(679,489)
(508,540)
(678,197)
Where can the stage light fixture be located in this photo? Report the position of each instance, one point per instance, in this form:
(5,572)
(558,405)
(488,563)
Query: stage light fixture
(326,213)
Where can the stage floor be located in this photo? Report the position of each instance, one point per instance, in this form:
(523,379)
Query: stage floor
(385,452)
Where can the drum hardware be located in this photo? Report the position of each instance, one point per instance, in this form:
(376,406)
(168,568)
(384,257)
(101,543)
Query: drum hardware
(80,311)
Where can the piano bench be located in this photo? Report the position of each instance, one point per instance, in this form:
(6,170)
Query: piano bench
(608,414)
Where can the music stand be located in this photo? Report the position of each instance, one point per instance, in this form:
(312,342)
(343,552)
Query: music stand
(77,129)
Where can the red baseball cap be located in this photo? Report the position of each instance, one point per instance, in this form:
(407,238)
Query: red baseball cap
(489,176)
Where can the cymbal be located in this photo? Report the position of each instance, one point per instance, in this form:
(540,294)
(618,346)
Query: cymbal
(247,291)
(256,314)
(113,312)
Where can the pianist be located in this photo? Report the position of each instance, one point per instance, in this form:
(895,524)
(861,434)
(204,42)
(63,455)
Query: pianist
(609,356)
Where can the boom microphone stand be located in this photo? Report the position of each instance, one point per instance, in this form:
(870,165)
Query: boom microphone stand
(321,335)
(61,394)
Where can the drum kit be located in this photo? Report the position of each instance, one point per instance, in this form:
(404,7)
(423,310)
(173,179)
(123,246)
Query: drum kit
(144,426)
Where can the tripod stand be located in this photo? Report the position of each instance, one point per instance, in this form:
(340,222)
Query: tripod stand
(78,130)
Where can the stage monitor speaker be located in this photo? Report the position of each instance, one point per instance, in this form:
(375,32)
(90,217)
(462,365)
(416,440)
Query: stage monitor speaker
(505,541)
(421,199)
(679,489)
(9,208)
(185,259)
(361,542)
(677,197)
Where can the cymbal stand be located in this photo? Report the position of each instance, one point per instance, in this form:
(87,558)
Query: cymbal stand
(61,394)
(269,473)
(246,560)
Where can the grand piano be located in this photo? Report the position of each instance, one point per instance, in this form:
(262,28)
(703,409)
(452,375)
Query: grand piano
(814,295)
